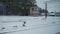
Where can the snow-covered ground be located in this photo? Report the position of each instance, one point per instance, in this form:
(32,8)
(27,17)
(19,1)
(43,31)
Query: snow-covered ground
(34,25)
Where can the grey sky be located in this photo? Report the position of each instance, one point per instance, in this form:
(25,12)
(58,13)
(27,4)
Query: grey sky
(53,5)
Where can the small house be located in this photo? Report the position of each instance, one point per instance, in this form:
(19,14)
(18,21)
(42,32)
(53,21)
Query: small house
(34,11)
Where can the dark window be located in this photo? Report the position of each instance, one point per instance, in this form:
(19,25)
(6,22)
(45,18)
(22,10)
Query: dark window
(32,9)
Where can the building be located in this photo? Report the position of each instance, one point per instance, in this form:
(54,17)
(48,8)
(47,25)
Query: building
(34,11)
(51,13)
(2,7)
(57,13)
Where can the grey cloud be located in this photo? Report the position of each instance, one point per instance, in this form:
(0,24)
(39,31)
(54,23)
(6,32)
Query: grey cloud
(53,1)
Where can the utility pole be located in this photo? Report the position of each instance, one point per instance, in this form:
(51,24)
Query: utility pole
(46,10)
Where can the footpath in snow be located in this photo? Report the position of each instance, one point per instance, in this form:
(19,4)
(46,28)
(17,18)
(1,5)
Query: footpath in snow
(10,24)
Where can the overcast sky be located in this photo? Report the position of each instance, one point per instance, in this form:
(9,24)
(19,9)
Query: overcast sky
(53,5)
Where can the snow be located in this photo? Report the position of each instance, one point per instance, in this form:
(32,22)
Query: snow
(34,25)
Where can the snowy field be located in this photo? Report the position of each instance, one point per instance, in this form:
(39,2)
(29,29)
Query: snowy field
(34,25)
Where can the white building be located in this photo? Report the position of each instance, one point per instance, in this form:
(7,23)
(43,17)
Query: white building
(34,11)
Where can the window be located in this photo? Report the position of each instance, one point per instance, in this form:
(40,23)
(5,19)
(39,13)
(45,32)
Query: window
(32,9)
